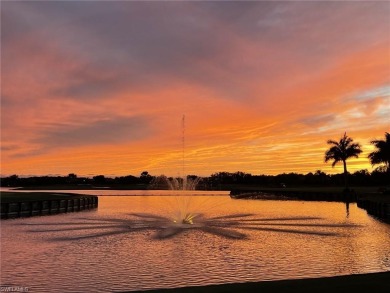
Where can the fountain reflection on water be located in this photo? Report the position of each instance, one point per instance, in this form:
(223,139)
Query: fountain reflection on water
(230,226)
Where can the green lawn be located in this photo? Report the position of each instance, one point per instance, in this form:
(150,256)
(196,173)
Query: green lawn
(367,192)
(85,187)
(358,189)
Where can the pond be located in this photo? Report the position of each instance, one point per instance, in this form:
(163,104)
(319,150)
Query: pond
(127,245)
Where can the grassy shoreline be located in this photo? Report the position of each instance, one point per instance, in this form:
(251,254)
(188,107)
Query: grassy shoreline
(12,197)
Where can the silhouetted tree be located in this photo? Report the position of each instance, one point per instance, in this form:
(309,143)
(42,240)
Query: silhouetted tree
(129,179)
(72,178)
(380,176)
(361,177)
(145,177)
(341,151)
(317,178)
(99,179)
(382,153)
(12,180)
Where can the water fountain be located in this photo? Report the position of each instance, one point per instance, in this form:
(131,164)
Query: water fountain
(183,184)
(182,215)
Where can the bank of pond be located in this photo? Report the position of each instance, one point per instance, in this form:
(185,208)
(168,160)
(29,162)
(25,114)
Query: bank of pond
(375,203)
(27,204)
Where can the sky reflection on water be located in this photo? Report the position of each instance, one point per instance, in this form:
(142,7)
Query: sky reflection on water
(134,243)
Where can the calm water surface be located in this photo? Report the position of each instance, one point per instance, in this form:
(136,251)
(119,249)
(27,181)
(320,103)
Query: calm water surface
(93,252)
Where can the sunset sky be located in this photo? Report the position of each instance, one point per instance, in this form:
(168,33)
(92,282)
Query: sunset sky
(100,87)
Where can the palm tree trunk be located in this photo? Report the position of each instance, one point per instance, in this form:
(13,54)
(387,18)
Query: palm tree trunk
(345,174)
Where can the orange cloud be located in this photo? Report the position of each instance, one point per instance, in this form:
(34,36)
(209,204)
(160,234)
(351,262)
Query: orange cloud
(262,89)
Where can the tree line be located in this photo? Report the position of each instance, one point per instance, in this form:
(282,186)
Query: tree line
(216,181)
(339,151)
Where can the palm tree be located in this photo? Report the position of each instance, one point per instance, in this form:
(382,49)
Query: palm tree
(341,151)
(382,153)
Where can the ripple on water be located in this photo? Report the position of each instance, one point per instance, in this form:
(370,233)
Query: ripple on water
(283,240)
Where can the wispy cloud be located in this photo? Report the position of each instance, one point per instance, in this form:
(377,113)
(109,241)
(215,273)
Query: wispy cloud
(100,132)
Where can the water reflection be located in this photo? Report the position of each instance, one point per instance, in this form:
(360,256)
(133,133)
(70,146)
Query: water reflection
(113,248)
(347,208)
(233,226)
